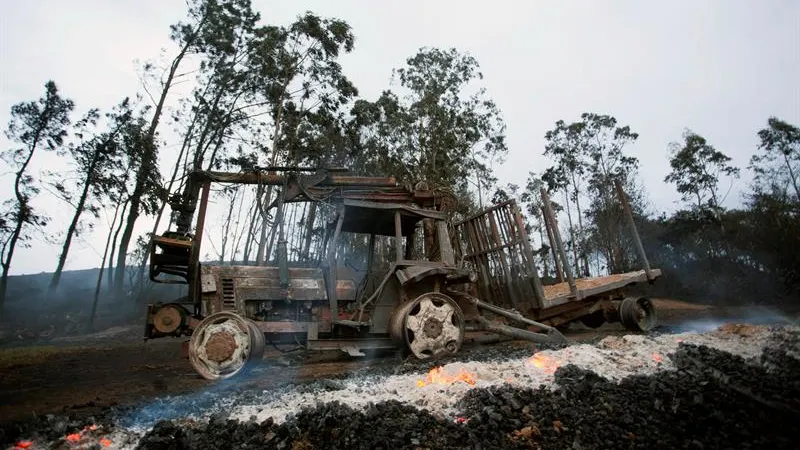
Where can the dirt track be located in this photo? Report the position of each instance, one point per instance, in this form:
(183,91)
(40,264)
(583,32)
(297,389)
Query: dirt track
(84,376)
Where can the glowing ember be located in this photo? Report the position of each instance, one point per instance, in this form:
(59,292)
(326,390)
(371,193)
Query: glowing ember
(657,358)
(23,444)
(438,376)
(91,427)
(73,437)
(105,442)
(547,364)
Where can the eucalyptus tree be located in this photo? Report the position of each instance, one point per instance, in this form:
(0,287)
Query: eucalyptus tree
(207,21)
(297,67)
(96,162)
(33,125)
(696,171)
(778,165)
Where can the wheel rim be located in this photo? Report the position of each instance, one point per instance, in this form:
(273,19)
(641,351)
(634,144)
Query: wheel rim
(225,344)
(638,314)
(430,325)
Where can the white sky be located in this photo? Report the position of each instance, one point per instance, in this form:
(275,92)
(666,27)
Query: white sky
(719,67)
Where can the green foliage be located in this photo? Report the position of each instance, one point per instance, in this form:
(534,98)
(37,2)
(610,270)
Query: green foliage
(436,132)
(778,166)
(696,170)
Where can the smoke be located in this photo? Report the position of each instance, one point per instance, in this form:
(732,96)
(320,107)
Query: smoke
(31,314)
(753,315)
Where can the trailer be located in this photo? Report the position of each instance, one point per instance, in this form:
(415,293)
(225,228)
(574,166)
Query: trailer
(420,284)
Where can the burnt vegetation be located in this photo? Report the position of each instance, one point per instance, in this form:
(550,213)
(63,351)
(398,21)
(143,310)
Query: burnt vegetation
(268,95)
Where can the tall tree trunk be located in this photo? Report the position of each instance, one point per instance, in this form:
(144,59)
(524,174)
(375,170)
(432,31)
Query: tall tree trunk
(145,168)
(309,235)
(114,244)
(275,139)
(23,212)
(99,283)
(792,175)
(571,231)
(254,215)
(581,234)
(62,259)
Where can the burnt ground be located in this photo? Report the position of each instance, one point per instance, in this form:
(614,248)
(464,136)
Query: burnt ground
(83,377)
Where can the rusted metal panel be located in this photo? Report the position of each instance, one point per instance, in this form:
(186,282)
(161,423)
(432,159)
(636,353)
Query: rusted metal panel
(283,327)
(346,289)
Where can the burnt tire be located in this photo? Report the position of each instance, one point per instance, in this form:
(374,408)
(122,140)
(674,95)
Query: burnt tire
(225,345)
(594,320)
(637,314)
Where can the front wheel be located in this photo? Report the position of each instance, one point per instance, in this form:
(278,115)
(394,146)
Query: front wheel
(431,325)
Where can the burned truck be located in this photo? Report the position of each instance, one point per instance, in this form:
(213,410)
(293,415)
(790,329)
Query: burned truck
(423,282)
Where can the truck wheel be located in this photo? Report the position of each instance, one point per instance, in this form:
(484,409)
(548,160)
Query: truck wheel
(224,345)
(431,325)
(637,314)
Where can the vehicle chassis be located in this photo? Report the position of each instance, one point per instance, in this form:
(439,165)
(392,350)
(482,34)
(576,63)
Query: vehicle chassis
(481,276)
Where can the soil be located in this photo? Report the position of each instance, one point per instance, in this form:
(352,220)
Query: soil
(81,378)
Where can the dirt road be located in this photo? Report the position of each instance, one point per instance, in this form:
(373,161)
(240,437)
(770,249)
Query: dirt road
(85,375)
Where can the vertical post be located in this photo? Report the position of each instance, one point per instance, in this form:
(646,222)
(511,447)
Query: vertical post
(398,237)
(333,301)
(632,223)
(282,254)
(194,256)
(497,243)
(538,290)
(549,228)
(371,255)
(573,288)
(445,247)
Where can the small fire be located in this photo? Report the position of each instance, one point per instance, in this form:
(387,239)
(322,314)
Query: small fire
(438,376)
(547,364)
(23,444)
(657,358)
(75,438)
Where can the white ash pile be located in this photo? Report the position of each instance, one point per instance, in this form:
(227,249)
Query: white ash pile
(737,387)
(438,391)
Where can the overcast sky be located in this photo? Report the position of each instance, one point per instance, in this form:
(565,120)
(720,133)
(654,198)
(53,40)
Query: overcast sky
(720,68)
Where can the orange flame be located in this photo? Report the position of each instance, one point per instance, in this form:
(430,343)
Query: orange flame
(23,444)
(547,364)
(105,442)
(657,358)
(73,437)
(438,376)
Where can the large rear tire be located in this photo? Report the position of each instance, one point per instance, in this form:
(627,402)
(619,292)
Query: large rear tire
(429,326)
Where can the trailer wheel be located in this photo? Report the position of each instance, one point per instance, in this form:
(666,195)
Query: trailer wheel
(429,326)
(224,345)
(594,320)
(637,314)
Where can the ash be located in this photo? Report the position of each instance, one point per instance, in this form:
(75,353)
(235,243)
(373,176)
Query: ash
(613,358)
(736,387)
